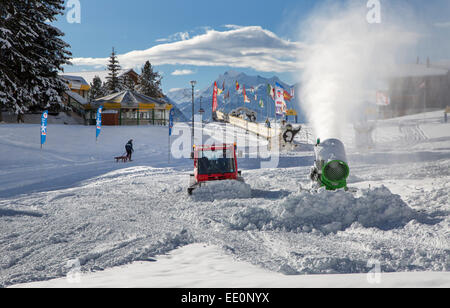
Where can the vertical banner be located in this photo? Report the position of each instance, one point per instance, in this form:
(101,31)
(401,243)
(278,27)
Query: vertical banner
(99,122)
(383,99)
(214,102)
(171,116)
(246,99)
(280,104)
(44,119)
(261,103)
(271,91)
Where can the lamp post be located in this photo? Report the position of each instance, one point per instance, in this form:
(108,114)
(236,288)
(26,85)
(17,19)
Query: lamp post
(193,83)
(201,111)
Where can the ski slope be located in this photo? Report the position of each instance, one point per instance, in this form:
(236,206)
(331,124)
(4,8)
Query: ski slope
(71,201)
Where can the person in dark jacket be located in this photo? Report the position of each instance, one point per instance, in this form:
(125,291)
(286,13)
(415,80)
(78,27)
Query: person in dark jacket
(129,149)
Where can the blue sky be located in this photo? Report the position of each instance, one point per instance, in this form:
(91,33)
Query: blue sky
(167,29)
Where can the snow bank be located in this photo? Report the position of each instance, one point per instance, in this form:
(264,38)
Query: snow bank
(328,211)
(219,190)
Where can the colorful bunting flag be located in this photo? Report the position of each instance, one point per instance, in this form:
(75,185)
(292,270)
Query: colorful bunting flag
(287,96)
(221,90)
(271,91)
(246,100)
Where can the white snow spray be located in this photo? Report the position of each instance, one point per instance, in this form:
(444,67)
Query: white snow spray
(345,60)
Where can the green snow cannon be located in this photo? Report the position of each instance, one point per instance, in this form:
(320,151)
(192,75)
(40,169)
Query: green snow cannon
(330,167)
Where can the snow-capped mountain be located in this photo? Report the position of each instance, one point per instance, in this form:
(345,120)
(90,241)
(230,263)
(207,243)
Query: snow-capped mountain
(179,115)
(255,86)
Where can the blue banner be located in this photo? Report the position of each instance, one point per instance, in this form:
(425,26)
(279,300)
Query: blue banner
(171,115)
(44,119)
(99,121)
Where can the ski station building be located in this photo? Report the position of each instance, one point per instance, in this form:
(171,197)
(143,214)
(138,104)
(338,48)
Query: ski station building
(417,88)
(79,83)
(130,108)
(122,108)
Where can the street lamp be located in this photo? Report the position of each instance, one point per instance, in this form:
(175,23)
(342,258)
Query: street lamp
(201,111)
(193,83)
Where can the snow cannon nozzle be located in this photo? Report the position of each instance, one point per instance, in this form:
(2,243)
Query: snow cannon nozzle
(330,166)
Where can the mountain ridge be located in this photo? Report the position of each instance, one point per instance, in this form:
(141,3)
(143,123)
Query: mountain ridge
(183,97)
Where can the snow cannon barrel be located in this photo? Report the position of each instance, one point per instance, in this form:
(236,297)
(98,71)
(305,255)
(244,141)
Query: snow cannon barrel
(331,163)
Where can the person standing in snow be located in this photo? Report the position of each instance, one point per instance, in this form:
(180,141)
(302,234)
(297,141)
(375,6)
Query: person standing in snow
(129,149)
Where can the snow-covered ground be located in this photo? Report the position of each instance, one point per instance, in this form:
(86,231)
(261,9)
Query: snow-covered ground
(70,203)
(201,266)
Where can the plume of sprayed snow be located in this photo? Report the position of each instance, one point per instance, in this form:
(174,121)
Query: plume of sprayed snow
(345,62)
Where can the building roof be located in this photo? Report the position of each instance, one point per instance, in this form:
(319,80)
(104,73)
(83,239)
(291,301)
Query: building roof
(75,79)
(442,64)
(77,97)
(76,82)
(420,70)
(129,98)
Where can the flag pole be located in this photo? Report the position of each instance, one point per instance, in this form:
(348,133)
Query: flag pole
(168,145)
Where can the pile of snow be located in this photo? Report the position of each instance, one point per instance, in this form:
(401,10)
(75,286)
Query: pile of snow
(328,212)
(220,190)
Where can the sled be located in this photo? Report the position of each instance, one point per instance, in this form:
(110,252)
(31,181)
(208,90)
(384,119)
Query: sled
(214,163)
(124,159)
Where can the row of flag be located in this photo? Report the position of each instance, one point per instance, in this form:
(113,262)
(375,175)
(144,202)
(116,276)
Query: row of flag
(44,125)
(278,93)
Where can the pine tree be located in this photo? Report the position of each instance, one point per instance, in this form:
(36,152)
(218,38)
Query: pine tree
(32,53)
(127,83)
(150,82)
(113,81)
(97,88)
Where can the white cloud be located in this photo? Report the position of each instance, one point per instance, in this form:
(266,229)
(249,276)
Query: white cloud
(244,47)
(233,27)
(180,36)
(442,24)
(182,72)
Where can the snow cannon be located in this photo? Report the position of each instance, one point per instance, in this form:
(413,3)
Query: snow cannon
(330,167)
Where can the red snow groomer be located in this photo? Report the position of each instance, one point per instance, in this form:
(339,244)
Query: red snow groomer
(214,163)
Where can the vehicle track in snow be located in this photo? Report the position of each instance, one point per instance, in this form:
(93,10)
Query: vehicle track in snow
(137,213)
(412,134)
